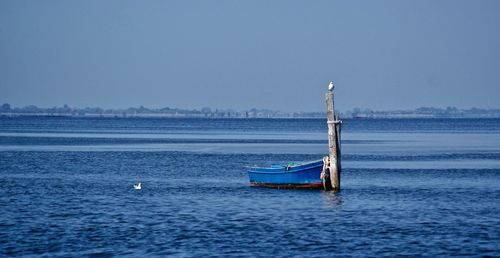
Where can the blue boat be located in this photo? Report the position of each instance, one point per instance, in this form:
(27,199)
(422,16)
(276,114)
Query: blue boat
(303,175)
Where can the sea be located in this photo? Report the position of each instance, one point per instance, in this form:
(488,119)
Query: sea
(410,187)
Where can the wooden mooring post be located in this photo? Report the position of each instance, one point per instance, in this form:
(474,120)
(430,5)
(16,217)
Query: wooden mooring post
(334,125)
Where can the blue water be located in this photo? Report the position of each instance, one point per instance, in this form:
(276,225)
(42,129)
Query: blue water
(423,187)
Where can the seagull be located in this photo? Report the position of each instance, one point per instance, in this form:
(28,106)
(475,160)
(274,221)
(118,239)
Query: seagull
(137,186)
(330,86)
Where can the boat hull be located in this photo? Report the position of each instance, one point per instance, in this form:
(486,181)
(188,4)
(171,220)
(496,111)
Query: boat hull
(303,176)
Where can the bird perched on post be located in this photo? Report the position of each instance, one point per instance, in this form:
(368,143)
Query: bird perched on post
(330,86)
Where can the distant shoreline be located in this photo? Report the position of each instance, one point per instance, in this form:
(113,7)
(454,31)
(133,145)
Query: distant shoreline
(143,112)
(152,116)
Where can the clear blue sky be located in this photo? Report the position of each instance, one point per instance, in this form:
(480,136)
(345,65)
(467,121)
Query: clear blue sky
(242,54)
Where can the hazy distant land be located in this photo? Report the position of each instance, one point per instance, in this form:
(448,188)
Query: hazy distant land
(422,112)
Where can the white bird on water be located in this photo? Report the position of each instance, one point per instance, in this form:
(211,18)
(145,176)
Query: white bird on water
(330,86)
(137,186)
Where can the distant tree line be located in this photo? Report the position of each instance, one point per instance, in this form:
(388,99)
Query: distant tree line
(423,112)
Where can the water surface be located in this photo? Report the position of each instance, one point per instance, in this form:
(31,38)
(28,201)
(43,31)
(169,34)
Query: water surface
(410,187)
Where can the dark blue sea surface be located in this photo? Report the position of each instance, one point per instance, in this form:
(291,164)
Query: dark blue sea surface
(414,187)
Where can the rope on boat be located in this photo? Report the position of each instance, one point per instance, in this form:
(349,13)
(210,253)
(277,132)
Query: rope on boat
(326,165)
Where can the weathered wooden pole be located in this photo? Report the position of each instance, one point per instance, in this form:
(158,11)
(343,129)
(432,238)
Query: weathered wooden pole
(333,140)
